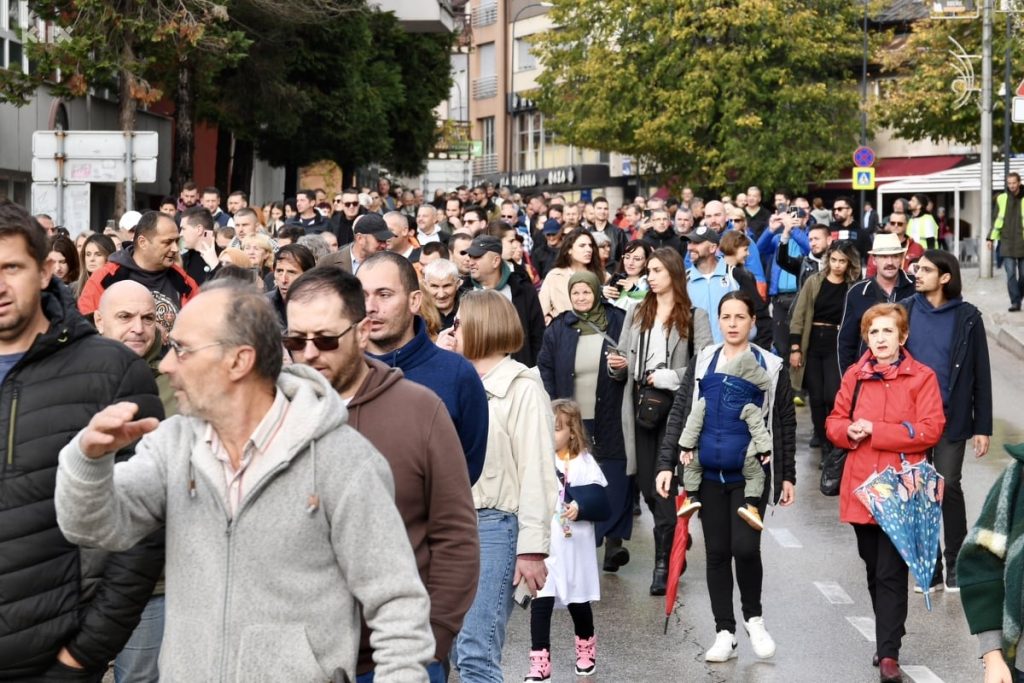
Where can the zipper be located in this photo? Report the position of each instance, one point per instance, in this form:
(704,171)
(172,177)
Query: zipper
(224,611)
(10,428)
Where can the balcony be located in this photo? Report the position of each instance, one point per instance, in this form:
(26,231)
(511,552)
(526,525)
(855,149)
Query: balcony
(486,14)
(485,164)
(485,87)
(420,16)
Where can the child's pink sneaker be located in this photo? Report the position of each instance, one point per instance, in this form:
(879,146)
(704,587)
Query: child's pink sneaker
(586,656)
(540,666)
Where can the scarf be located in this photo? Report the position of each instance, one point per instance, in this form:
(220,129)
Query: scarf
(872,370)
(596,316)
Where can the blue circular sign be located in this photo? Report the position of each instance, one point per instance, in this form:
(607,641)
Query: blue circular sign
(864,157)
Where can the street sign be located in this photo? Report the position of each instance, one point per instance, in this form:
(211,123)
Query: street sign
(1017,115)
(477,148)
(864,157)
(954,9)
(1020,89)
(76,217)
(94,144)
(93,170)
(864,178)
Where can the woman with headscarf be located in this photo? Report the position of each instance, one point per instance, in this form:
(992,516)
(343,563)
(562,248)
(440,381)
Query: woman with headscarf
(573,364)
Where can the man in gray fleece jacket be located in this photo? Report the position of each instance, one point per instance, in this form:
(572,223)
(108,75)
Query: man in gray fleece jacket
(280,518)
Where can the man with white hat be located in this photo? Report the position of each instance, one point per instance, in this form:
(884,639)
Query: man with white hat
(889,285)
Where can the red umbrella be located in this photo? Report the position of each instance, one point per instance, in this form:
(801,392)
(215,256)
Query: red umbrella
(677,560)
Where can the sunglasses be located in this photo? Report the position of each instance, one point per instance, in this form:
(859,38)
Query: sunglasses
(898,225)
(321,342)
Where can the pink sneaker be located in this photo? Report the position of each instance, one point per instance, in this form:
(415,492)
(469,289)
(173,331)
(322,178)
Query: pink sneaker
(586,656)
(540,666)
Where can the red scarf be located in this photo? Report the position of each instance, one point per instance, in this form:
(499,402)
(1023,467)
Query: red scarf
(870,369)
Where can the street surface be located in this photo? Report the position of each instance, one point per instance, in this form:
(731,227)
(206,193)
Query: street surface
(816,603)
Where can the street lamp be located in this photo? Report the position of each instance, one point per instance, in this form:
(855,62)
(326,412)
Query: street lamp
(512,79)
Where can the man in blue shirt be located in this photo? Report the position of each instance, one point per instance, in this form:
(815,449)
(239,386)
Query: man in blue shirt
(709,279)
(782,285)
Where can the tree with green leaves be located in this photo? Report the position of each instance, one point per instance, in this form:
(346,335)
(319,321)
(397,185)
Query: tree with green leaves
(924,93)
(718,93)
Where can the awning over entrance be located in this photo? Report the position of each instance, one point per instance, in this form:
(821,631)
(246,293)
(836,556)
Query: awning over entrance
(893,169)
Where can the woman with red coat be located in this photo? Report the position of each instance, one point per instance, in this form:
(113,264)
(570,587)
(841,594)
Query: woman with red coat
(898,409)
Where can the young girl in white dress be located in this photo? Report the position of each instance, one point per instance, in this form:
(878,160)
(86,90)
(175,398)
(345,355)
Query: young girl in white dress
(573,578)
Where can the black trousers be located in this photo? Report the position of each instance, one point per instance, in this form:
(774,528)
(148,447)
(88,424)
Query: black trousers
(664,509)
(821,376)
(887,584)
(781,305)
(727,538)
(948,458)
(540,621)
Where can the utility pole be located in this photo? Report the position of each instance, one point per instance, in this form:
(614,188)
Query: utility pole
(985,256)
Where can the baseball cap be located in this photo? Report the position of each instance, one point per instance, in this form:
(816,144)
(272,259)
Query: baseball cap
(483,244)
(129,220)
(702,233)
(552,227)
(373,224)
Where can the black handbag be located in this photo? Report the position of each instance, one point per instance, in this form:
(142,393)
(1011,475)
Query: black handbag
(652,404)
(833,462)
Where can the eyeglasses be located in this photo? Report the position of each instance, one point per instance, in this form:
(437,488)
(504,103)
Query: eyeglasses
(899,224)
(350,204)
(321,342)
(841,208)
(337,200)
(183,352)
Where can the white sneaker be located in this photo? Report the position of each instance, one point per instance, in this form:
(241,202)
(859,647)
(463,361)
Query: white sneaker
(724,648)
(760,641)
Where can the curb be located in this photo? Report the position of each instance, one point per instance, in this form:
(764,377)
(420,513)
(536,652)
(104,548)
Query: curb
(1010,342)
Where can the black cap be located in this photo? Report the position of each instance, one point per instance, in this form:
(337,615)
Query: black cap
(373,224)
(702,233)
(483,244)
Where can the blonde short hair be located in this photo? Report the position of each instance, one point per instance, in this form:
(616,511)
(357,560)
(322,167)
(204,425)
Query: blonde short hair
(490,324)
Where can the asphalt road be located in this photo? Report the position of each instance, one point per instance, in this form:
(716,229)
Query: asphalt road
(816,603)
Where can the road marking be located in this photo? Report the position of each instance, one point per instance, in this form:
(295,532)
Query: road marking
(833,592)
(921,674)
(866,626)
(785,538)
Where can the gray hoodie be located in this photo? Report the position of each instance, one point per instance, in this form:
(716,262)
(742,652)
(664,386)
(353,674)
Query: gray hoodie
(273,595)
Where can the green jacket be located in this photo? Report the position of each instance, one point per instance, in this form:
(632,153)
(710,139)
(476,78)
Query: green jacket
(990,568)
(997,226)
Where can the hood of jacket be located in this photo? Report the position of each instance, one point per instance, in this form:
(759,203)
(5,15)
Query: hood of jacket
(379,380)
(419,350)
(66,323)
(922,305)
(151,279)
(499,380)
(315,411)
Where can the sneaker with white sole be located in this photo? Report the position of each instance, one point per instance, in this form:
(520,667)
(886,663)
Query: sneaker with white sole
(760,641)
(586,656)
(540,666)
(688,508)
(751,516)
(724,648)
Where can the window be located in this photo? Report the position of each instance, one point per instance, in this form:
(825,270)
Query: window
(525,60)
(488,64)
(487,128)
(13,17)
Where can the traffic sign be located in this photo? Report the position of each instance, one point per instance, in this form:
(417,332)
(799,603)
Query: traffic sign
(1017,115)
(1020,89)
(94,144)
(864,178)
(864,157)
(94,170)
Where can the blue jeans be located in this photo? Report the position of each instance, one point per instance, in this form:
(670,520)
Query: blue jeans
(1014,268)
(435,673)
(477,651)
(137,662)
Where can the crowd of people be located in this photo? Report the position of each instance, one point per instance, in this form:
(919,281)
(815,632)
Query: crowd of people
(256,408)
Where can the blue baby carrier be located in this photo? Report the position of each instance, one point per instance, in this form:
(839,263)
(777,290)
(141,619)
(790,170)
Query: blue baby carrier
(725,437)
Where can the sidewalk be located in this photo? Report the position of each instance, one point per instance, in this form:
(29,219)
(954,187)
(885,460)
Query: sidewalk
(1003,328)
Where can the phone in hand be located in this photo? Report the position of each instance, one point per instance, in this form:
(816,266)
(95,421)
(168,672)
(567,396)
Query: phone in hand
(522,596)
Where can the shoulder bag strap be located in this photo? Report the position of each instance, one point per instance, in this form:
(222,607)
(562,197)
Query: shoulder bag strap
(856,393)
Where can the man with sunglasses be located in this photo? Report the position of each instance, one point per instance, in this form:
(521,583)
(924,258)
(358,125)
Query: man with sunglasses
(329,331)
(845,227)
(346,210)
(280,519)
(897,224)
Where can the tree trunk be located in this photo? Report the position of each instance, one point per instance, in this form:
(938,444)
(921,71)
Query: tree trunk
(125,117)
(184,118)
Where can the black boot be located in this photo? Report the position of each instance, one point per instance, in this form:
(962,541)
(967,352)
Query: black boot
(615,555)
(660,576)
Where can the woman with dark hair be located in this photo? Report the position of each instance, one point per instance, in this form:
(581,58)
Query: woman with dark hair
(573,363)
(64,258)
(659,336)
(629,282)
(94,254)
(577,253)
(814,331)
(275,217)
(728,537)
(921,226)
(888,410)
(290,209)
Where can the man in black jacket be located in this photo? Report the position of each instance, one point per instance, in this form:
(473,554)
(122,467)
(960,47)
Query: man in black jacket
(488,271)
(65,611)
(199,252)
(948,335)
(820,237)
(889,285)
(346,211)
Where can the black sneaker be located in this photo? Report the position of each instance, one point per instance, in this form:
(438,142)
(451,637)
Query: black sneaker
(1013,309)
(815,442)
(951,584)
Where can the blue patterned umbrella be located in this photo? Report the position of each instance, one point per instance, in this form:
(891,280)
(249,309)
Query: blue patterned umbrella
(908,507)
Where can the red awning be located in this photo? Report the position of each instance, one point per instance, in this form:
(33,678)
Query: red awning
(898,168)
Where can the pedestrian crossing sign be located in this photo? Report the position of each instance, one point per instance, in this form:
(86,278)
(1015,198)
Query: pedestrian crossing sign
(864,178)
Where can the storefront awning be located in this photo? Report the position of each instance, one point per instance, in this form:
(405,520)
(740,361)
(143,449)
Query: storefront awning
(892,169)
